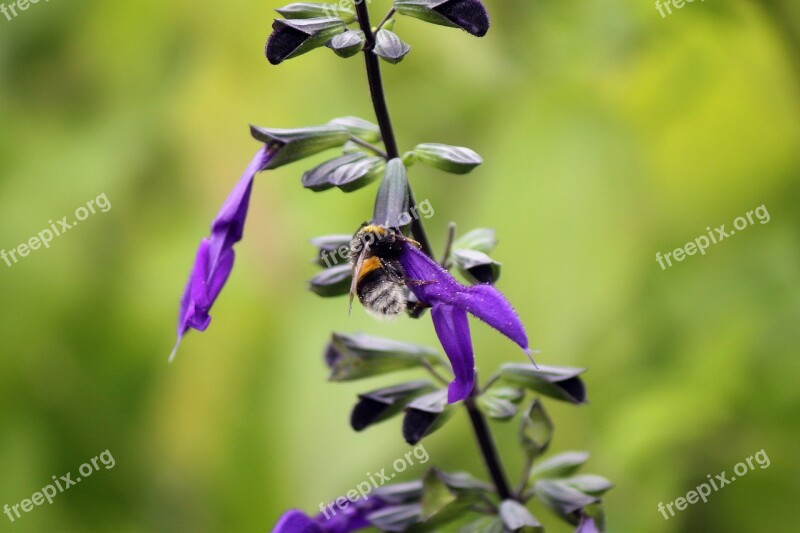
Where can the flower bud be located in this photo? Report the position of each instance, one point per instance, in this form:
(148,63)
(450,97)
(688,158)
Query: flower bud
(293,37)
(299,143)
(469,15)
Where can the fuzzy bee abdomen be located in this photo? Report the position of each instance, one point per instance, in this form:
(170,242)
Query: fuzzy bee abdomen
(380,296)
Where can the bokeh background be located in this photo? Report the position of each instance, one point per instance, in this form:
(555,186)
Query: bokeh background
(609,134)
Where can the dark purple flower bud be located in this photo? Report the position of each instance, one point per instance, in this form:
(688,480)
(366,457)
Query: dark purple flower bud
(382,404)
(450,302)
(469,15)
(559,382)
(215,255)
(425,415)
(293,37)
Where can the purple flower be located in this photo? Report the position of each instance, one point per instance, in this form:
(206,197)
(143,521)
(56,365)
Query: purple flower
(450,302)
(587,525)
(214,259)
(332,519)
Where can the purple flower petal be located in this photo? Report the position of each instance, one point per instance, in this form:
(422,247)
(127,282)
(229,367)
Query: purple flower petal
(295,521)
(452,328)
(587,525)
(214,260)
(442,291)
(332,519)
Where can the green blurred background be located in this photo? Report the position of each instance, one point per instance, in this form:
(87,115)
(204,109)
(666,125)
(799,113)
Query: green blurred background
(609,134)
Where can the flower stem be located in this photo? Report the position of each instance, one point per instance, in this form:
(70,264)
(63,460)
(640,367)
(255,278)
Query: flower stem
(488,449)
(382,113)
(482,433)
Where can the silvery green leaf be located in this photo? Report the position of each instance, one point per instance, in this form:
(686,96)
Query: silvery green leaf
(332,250)
(562,465)
(476,266)
(454,159)
(396,518)
(397,493)
(391,203)
(486,524)
(351,357)
(481,240)
(561,383)
(497,408)
(562,499)
(535,430)
(389,47)
(358,174)
(333,281)
(358,127)
(299,143)
(347,44)
(347,172)
(307,10)
(515,516)
(590,484)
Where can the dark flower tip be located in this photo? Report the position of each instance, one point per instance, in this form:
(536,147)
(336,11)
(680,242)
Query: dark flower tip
(282,42)
(470,15)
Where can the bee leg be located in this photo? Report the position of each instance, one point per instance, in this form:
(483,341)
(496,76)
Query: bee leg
(418,282)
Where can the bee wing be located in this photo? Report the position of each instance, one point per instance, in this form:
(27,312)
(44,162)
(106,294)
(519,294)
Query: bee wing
(356,269)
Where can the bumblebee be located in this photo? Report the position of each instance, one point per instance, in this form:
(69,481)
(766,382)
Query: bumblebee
(378,277)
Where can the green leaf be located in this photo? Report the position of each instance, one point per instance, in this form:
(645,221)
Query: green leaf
(347,44)
(391,203)
(397,517)
(561,383)
(535,430)
(454,159)
(347,172)
(299,143)
(389,47)
(562,499)
(562,465)
(516,517)
(358,127)
(436,494)
(351,357)
(486,524)
(497,408)
(307,10)
(590,484)
(332,250)
(481,240)
(399,493)
(332,282)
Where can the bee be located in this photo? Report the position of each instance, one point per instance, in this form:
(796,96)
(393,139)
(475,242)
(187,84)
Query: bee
(378,277)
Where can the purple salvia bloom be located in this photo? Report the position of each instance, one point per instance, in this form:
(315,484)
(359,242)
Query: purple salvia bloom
(450,302)
(352,518)
(215,256)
